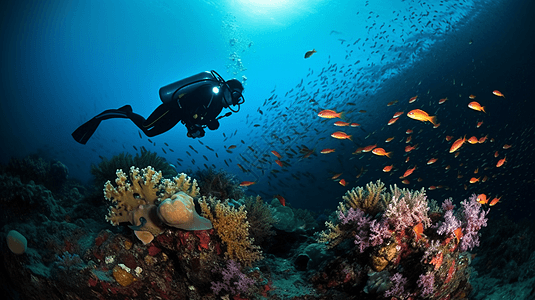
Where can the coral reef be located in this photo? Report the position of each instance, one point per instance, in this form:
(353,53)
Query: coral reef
(106,169)
(50,173)
(232,227)
(148,202)
(398,249)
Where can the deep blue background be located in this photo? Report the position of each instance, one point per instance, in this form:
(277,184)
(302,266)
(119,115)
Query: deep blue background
(66,61)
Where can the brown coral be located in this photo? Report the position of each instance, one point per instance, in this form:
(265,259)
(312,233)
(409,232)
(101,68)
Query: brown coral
(232,227)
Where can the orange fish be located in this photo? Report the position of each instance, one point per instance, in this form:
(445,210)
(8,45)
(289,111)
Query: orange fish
(474,180)
(473,140)
(409,131)
(330,114)
(472,97)
(409,148)
(408,172)
(388,140)
(431,161)
(442,100)
(392,103)
(498,93)
(506,146)
(342,182)
(436,125)
(484,179)
(247,183)
(496,154)
(494,201)
(405,181)
(407,159)
(309,53)
(458,234)
(501,162)
(418,230)
(392,121)
(355,124)
(279,163)
(368,148)
(388,168)
(447,167)
(432,188)
(457,154)
(381,152)
(336,176)
(281,199)
(397,114)
(326,151)
(476,106)
(476,170)
(448,138)
(420,115)
(411,100)
(479,124)
(408,140)
(358,151)
(341,135)
(231,147)
(457,144)
(482,199)
(482,139)
(276,154)
(341,123)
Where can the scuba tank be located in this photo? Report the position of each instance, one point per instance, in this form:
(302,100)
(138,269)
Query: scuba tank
(171,91)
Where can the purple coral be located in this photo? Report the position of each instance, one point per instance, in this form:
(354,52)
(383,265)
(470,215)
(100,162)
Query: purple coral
(450,223)
(448,204)
(370,232)
(379,232)
(398,286)
(426,284)
(354,215)
(234,281)
(473,220)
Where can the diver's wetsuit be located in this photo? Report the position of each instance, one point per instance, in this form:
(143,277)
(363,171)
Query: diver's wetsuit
(195,109)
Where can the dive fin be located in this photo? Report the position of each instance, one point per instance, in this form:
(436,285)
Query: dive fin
(84,132)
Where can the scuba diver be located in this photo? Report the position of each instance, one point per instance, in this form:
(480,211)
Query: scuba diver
(196,101)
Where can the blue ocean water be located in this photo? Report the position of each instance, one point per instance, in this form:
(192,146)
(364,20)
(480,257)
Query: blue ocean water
(63,62)
(66,61)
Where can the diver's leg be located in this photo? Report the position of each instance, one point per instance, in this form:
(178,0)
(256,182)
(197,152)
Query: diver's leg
(161,120)
(86,130)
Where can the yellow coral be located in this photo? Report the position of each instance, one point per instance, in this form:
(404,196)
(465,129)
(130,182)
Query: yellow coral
(232,227)
(137,195)
(372,200)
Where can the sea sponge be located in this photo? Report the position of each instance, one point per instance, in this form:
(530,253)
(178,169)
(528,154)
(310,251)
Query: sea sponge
(179,211)
(16,242)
